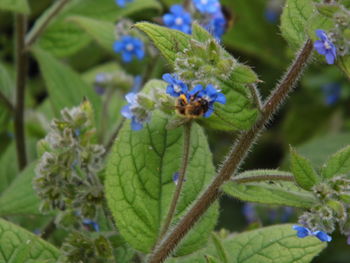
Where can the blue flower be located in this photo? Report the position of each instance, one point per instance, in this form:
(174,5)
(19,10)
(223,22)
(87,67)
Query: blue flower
(331,92)
(325,47)
(210,94)
(89,222)
(217,25)
(126,111)
(304,232)
(176,178)
(100,80)
(176,87)
(129,47)
(178,19)
(207,6)
(122,3)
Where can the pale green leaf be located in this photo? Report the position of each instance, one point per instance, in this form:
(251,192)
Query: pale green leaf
(275,244)
(272,192)
(101,31)
(304,174)
(337,164)
(139,184)
(18,6)
(169,42)
(66,87)
(18,244)
(20,197)
(294,20)
(64,37)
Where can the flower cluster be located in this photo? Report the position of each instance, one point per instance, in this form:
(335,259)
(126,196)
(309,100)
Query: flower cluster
(204,63)
(332,208)
(207,12)
(196,102)
(67,174)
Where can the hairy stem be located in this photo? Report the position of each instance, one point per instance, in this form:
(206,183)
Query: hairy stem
(261,178)
(182,172)
(21,69)
(6,102)
(234,158)
(36,31)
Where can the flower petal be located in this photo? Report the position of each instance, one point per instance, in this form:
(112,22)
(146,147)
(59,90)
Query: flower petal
(221,98)
(330,58)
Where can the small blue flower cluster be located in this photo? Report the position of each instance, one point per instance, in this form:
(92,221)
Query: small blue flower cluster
(214,20)
(325,47)
(88,222)
(304,232)
(129,47)
(210,94)
(127,111)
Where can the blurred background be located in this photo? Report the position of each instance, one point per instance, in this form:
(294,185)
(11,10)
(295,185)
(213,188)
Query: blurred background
(315,120)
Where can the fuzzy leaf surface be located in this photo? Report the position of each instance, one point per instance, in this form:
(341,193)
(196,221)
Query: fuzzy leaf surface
(19,245)
(139,184)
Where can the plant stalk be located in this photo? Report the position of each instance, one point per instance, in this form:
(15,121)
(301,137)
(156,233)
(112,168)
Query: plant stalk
(235,157)
(182,172)
(21,69)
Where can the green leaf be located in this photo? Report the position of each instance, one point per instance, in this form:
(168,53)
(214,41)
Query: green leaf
(337,164)
(101,31)
(18,244)
(66,87)
(304,174)
(299,18)
(272,192)
(19,197)
(6,88)
(168,41)
(64,37)
(139,189)
(8,166)
(275,244)
(344,64)
(18,6)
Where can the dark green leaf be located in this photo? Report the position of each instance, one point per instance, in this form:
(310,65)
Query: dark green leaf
(66,87)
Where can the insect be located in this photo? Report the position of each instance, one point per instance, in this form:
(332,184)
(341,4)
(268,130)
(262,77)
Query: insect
(192,107)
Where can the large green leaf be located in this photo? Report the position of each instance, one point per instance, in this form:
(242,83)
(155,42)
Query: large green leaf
(64,37)
(337,164)
(304,174)
(275,244)
(19,197)
(18,245)
(274,193)
(101,31)
(19,6)
(8,166)
(139,184)
(66,87)
(239,112)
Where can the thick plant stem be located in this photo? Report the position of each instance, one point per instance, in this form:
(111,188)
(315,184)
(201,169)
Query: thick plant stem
(36,31)
(21,69)
(234,158)
(182,172)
